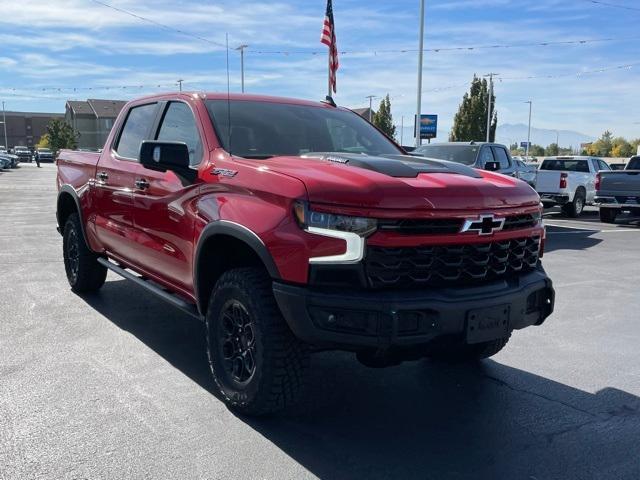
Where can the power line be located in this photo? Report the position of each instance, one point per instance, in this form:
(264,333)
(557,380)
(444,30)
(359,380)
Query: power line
(614,5)
(158,24)
(449,49)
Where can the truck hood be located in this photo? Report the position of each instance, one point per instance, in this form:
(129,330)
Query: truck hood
(402,182)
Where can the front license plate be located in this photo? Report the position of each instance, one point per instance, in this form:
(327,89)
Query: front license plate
(486,324)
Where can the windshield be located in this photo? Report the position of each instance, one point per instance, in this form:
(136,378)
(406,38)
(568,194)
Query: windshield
(566,165)
(465,154)
(44,150)
(20,149)
(268,129)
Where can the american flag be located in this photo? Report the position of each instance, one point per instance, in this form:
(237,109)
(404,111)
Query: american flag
(328,37)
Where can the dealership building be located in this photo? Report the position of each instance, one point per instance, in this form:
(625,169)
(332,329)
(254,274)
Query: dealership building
(25,128)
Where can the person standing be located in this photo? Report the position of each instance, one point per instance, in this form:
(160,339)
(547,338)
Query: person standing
(37,157)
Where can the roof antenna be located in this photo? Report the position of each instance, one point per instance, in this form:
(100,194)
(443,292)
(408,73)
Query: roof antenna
(228,100)
(329,99)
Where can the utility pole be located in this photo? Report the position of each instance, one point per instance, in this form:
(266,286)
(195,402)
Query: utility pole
(241,49)
(370,97)
(4,124)
(179,82)
(489,103)
(526,152)
(558,142)
(419,99)
(401,130)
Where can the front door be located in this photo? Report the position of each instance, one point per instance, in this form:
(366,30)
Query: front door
(114,181)
(163,201)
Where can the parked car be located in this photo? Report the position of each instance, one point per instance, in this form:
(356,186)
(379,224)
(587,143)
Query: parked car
(526,172)
(23,153)
(488,156)
(43,155)
(289,226)
(11,159)
(5,162)
(569,182)
(619,191)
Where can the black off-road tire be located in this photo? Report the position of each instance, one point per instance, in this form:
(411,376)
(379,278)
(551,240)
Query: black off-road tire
(608,215)
(279,359)
(575,208)
(465,353)
(84,273)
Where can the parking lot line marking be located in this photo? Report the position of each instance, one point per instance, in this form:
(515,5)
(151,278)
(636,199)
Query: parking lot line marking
(577,232)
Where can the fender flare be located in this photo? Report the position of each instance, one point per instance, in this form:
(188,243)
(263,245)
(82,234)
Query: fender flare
(239,232)
(64,190)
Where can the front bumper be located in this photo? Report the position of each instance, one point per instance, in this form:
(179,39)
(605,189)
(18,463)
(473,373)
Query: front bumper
(554,198)
(382,320)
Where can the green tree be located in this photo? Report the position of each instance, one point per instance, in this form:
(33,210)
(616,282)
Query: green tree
(43,142)
(552,150)
(601,147)
(621,148)
(536,151)
(61,135)
(383,119)
(470,123)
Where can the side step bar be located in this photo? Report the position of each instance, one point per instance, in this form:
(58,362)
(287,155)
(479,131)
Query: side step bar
(174,300)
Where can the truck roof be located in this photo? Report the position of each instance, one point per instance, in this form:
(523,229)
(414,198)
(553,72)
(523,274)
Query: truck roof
(232,96)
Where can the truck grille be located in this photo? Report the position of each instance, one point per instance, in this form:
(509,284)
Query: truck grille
(448,265)
(445,226)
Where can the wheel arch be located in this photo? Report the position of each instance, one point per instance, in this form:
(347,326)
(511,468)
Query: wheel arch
(68,203)
(241,247)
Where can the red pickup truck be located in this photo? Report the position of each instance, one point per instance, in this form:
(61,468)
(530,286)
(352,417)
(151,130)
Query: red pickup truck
(291,226)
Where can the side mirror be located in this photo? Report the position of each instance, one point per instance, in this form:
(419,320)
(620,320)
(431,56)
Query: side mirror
(492,166)
(163,156)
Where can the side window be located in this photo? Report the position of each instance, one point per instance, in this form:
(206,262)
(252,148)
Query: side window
(179,125)
(604,165)
(485,156)
(501,157)
(136,128)
(596,166)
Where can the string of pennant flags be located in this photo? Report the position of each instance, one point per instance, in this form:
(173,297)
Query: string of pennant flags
(13,91)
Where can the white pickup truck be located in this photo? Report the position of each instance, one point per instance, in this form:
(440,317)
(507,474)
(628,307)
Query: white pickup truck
(569,182)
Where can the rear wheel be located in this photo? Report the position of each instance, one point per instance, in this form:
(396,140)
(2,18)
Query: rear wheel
(575,208)
(462,352)
(257,363)
(608,215)
(84,273)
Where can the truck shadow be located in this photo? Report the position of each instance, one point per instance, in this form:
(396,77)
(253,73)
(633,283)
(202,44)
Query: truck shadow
(418,420)
(565,238)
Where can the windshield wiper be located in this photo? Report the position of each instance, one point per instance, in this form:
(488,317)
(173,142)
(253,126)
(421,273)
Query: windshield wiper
(257,157)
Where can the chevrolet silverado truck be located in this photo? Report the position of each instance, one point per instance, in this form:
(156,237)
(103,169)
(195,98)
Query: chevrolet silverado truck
(619,191)
(291,226)
(569,182)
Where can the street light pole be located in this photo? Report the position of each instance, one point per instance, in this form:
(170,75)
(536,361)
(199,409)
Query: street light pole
(179,82)
(4,124)
(557,142)
(489,104)
(526,153)
(370,97)
(401,130)
(419,99)
(241,49)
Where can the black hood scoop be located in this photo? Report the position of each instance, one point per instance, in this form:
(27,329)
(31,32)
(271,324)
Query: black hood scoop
(400,166)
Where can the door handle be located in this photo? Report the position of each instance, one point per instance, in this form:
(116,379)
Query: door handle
(102,176)
(142,184)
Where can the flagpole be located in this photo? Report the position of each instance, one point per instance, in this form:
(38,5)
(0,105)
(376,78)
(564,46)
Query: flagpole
(329,74)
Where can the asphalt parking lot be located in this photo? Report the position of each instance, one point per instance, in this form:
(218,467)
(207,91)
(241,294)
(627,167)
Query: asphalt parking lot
(116,385)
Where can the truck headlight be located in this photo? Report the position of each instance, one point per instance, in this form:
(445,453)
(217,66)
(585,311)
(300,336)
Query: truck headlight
(343,223)
(353,230)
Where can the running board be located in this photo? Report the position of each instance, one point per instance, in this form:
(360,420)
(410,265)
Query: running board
(174,300)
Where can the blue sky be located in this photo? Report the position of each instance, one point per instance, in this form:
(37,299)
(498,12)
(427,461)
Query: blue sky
(79,44)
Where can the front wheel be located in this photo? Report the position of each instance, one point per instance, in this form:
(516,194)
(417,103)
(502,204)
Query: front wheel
(257,364)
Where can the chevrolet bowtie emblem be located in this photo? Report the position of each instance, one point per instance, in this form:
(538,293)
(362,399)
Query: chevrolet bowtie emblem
(483,225)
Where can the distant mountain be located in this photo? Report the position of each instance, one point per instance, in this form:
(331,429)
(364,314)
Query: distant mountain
(511,133)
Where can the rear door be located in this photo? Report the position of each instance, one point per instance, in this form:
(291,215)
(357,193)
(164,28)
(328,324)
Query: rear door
(501,156)
(162,202)
(114,183)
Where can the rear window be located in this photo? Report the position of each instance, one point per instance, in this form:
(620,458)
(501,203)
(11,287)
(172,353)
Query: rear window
(465,154)
(634,164)
(565,165)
